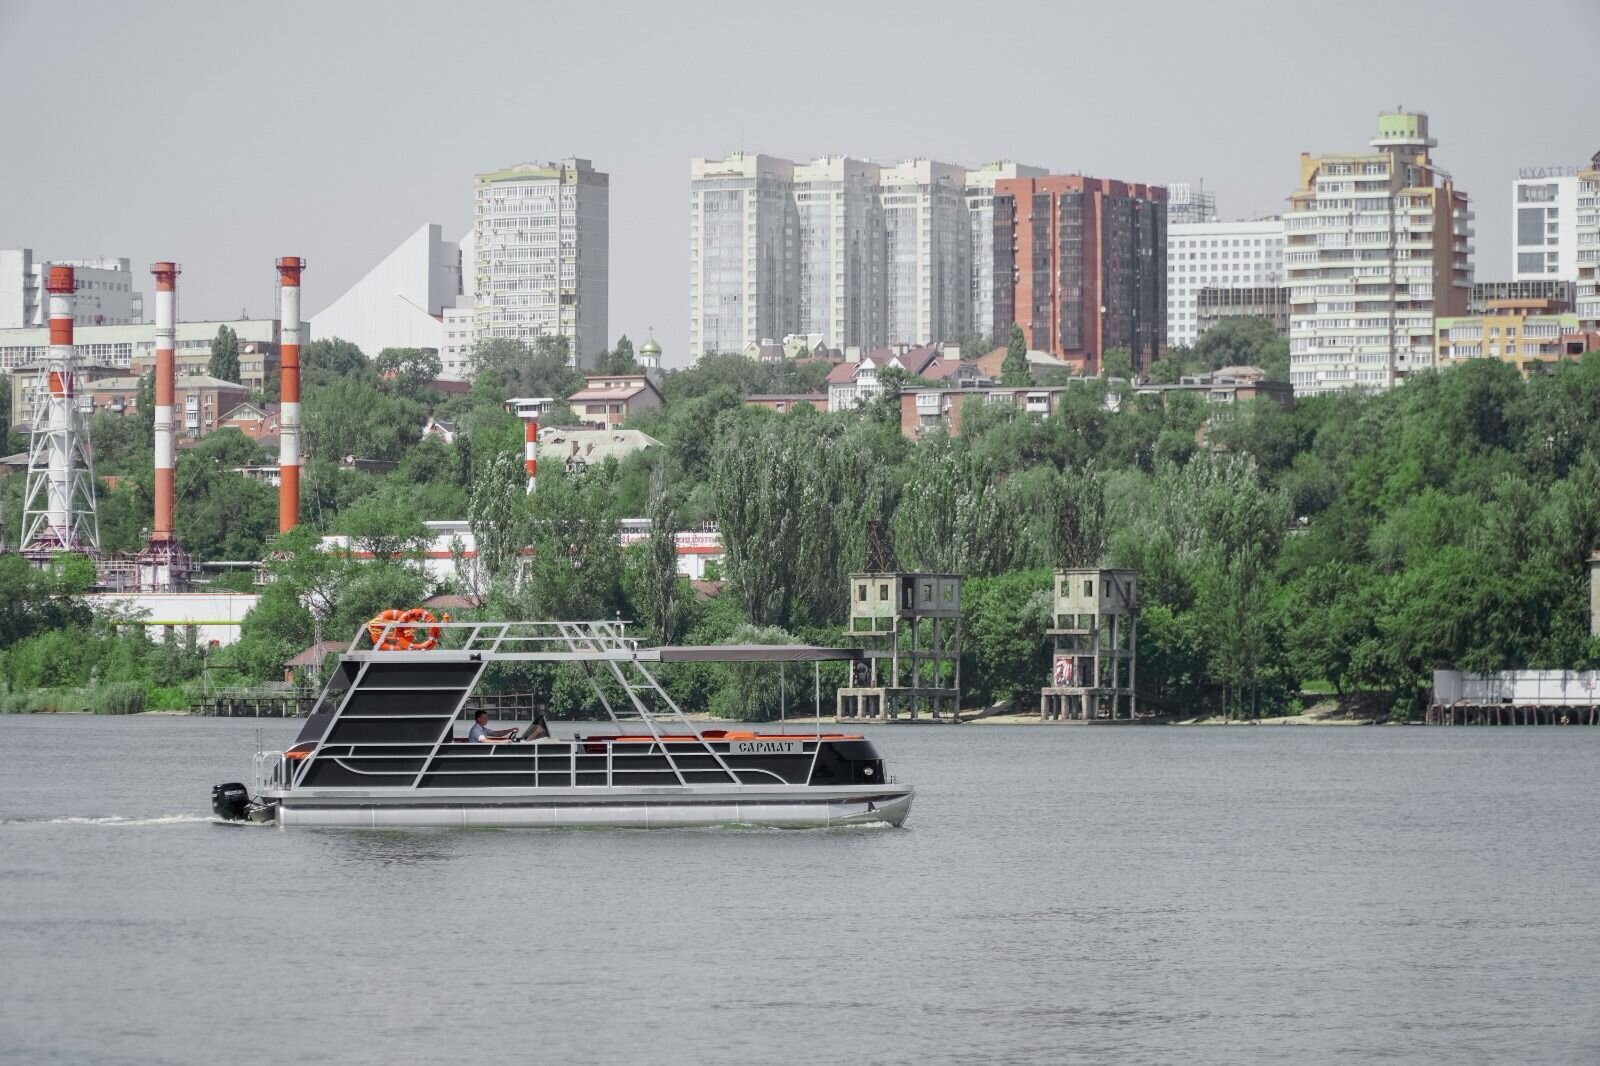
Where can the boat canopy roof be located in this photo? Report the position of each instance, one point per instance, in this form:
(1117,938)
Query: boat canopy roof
(754,653)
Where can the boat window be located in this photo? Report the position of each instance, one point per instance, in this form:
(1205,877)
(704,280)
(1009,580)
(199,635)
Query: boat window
(861,592)
(883,590)
(1088,588)
(927,592)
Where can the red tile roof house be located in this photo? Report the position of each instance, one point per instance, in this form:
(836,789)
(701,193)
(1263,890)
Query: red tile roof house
(608,400)
(852,384)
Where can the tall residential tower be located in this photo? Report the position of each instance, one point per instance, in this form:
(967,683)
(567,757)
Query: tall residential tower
(541,263)
(1088,263)
(1378,244)
(744,283)
(980,220)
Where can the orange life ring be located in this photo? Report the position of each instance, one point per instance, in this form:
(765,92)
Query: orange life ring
(404,630)
(420,618)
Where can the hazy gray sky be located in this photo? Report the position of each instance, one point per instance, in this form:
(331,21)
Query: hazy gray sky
(223,134)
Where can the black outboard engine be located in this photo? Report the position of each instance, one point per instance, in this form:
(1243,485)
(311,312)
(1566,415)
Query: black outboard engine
(230,802)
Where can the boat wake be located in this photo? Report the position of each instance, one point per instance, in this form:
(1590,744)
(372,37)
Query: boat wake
(113,820)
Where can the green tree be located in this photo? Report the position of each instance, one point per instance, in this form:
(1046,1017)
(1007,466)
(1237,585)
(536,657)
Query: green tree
(619,360)
(412,370)
(1014,371)
(1116,363)
(224,361)
(663,603)
(497,511)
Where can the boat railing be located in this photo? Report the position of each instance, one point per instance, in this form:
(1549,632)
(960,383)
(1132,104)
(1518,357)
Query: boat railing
(578,762)
(270,771)
(600,639)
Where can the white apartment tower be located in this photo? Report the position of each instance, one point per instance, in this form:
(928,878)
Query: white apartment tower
(840,229)
(744,283)
(980,220)
(1378,244)
(1587,240)
(927,252)
(541,254)
(1217,255)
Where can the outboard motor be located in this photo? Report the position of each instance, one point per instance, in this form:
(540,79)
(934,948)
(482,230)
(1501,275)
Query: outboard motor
(230,802)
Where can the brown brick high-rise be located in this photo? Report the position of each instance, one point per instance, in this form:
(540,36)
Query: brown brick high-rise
(1081,266)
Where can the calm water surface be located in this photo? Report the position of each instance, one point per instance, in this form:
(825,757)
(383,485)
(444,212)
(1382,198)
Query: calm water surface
(1067,894)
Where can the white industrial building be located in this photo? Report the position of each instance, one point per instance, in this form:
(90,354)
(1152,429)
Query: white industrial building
(106,295)
(541,246)
(133,346)
(1217,255)
(401,302)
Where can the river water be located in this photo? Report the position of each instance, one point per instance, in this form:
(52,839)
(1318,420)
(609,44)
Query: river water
(1060,894)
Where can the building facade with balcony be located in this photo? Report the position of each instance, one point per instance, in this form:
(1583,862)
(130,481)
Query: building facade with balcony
(1378,244)
(1586,239)
(541,255)
(1528,333)
(1222,257)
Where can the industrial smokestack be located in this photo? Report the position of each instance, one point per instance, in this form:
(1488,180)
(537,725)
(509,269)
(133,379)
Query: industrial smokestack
(62,285)
(58,505)
(289,269)
(530,452)
(166,275)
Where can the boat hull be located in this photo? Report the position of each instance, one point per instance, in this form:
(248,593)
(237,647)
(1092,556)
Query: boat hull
(799,808)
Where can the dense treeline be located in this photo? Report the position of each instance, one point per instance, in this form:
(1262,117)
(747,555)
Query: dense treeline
(1350,545)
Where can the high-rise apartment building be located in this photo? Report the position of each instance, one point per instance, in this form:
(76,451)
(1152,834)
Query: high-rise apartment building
(1217,255)
(1586,238)
(105,294)
(980,221)
(840,227)
(1087,263)
(1544,214)
(542,246)
(840,250)
(744,282)
(1378,244)
(927,252)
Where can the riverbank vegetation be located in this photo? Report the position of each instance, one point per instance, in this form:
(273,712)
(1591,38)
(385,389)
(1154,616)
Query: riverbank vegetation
(1352,544)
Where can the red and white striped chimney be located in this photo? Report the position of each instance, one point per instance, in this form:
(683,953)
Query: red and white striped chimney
(166,275)
(289,269)
(61,282)
(530,452)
